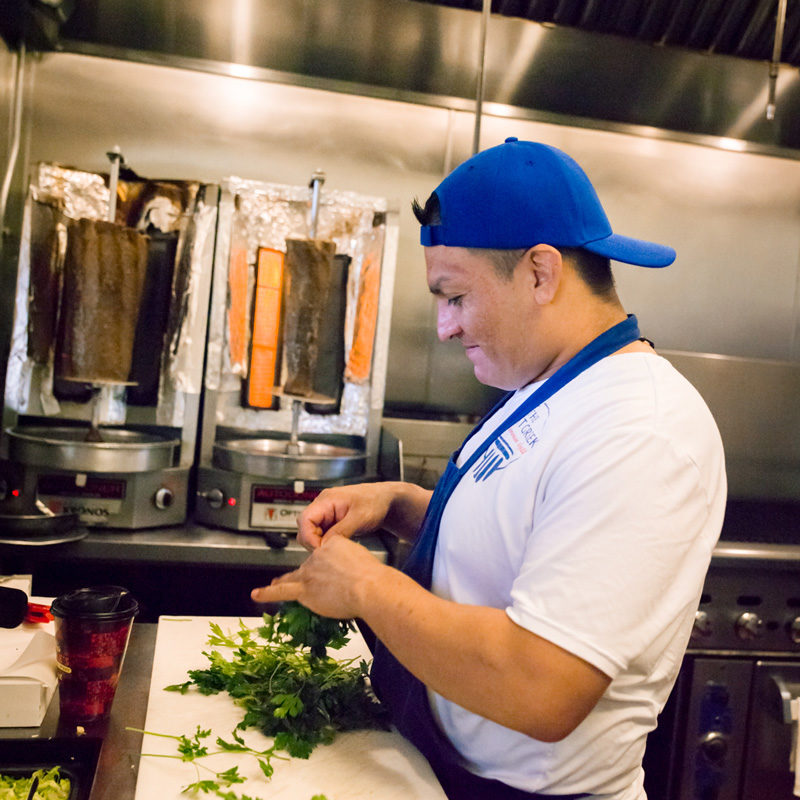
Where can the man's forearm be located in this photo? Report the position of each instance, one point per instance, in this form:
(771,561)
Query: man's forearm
(477,657)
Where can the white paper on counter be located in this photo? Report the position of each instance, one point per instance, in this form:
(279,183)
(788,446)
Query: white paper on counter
(22,582)
(28,676)
(358,765)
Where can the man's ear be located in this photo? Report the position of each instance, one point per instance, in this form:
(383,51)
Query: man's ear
(546,269)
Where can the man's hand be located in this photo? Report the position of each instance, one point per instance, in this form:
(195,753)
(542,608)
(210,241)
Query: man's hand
(361,508)
(346,510)
(332,581)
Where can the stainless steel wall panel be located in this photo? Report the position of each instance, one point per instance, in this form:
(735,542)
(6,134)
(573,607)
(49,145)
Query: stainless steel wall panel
(734,217)
(755,405)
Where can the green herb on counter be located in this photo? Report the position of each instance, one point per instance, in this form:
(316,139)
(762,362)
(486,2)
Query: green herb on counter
(52,786)
(193,748)
(290,689)
(288,686)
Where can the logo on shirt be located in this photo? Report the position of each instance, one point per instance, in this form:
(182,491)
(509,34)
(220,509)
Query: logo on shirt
(509,446)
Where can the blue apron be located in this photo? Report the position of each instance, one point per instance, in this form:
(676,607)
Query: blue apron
(404,695)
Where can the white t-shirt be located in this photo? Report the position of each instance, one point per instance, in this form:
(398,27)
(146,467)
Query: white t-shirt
(592,522)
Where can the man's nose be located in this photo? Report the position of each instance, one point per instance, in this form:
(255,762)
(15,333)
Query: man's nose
(447,326)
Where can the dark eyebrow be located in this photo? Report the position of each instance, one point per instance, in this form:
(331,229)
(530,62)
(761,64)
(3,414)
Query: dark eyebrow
(436,288)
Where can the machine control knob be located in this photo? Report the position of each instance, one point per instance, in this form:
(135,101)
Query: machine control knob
(163,498)
(3,488)
(749,626)
(214,497)
(714,746)
(702,627)
(794,630)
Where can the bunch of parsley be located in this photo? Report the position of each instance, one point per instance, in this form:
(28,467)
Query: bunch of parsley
(290,689)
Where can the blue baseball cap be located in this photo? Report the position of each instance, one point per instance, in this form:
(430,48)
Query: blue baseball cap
(520,194)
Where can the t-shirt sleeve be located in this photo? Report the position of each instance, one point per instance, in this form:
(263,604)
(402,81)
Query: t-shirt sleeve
(619,548)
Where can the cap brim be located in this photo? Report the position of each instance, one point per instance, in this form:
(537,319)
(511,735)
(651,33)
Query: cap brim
(632,251)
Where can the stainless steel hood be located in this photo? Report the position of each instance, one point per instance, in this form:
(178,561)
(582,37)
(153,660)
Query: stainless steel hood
(744,28)
(692,68)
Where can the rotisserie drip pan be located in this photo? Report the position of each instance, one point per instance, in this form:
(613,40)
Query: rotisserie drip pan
(277,459)
(67,448)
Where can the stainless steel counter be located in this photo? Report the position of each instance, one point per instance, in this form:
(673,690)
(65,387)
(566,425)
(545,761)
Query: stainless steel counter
(181,570)
(115,777)
(188,544)
(193,544)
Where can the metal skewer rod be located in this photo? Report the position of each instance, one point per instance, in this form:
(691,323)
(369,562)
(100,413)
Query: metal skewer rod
(774,64)
(293,448)
(115,157)
(317,179)
(93,434)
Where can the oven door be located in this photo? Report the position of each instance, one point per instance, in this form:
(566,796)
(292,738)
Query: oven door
(769,766)
(704,759)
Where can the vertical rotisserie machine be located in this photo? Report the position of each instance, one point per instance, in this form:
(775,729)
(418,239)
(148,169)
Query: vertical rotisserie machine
(298,342)
(105,369)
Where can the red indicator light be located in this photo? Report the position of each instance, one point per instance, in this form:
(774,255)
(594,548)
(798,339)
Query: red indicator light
(15,492)
(231,501)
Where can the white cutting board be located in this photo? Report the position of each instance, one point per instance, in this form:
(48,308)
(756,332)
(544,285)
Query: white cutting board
(357,765)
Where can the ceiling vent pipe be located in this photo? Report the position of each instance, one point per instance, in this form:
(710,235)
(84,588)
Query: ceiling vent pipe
(777,47)
(476,136)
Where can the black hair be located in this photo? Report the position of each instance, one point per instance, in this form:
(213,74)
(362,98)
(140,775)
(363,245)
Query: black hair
(594,270)
(503,261)
(430,214)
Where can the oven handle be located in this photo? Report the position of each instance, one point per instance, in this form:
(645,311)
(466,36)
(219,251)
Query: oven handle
(788,691)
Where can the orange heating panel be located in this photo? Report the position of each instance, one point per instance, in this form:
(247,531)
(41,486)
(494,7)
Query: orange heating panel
(266,328)
(237,309)
(359,361)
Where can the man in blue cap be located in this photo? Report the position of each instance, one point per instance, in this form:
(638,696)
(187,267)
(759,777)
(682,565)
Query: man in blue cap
(538,625)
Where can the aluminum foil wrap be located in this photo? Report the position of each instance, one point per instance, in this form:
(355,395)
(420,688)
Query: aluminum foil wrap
(255,215)
(176,209)
(182,361)
(29,380)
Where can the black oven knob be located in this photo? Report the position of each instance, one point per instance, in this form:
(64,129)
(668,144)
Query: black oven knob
(749,626)
(794,630)
(714,746)
(702,627)
(214,497)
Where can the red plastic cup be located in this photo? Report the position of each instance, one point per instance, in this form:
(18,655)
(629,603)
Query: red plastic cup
(93,626)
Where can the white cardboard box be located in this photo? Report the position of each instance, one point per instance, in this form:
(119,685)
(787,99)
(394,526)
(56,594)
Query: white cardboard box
(28,674)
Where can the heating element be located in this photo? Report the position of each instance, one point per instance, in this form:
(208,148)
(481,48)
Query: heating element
(297,349)
(105,369)
(128,479)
